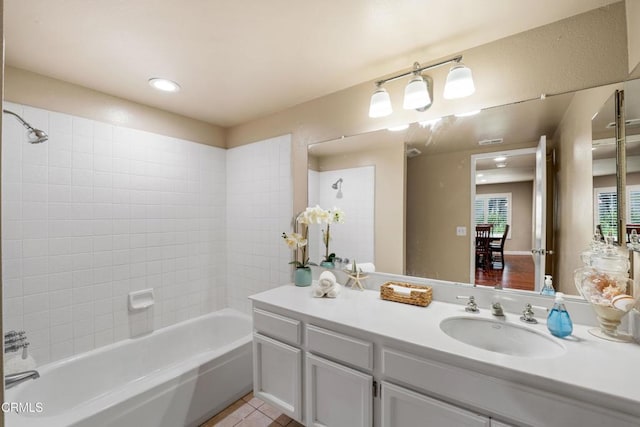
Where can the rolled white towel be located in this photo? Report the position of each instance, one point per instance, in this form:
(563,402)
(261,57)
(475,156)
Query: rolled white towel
(405,291)
(316,291)
(326,280)
(366,267)
(334,291)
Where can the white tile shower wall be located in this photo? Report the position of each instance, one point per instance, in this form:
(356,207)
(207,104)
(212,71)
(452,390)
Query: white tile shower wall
(99,211)
(354,239)
(259,210)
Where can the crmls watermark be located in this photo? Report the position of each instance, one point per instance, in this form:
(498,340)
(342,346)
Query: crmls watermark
(23,407)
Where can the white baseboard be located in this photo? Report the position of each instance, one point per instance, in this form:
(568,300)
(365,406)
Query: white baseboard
(517,252)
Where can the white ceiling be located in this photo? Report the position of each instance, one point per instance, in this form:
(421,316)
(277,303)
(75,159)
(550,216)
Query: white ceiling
(238,60)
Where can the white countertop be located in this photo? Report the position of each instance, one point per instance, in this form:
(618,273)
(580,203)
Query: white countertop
(603,369)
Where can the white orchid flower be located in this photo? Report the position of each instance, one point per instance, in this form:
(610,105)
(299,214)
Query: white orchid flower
(294,240)
(337,215)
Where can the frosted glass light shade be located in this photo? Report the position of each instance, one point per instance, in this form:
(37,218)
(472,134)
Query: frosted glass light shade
(416,94)
(459,83)
(380,105)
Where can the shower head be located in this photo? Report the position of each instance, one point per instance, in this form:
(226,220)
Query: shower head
(335,184)
(36,136)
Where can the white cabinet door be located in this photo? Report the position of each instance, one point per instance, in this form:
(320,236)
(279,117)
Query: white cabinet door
(277,375)
(405,408)
(337,396)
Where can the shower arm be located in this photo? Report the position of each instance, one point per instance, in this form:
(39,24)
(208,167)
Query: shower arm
(20,119)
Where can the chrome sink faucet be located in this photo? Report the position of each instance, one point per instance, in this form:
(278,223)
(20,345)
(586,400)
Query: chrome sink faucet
(496,309)
(13,380)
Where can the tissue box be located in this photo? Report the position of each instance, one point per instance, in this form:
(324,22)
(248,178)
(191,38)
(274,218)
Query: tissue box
(406,293)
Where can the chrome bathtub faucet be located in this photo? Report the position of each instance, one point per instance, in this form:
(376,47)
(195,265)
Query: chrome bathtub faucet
(13,380)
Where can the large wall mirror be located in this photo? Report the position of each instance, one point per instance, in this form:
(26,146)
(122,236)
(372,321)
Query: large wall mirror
(605,212)
(427,187)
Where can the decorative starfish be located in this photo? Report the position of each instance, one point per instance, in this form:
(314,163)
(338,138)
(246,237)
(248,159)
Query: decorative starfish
(357,278)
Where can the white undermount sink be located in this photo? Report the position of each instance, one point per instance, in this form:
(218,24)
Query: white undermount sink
(501,337)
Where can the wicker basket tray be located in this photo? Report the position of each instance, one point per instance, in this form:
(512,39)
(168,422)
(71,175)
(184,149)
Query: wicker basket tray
(421,298)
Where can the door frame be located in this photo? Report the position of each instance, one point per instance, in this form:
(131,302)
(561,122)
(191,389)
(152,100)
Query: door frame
(472,235)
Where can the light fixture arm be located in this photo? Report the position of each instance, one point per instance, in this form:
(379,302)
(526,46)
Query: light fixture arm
(417,69)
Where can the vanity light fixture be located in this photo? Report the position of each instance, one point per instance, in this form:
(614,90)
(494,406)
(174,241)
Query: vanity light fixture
(164,85)
(380,105)
(416,94)
(459,82)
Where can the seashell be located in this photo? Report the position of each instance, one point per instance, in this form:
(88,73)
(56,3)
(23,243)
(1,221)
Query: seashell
(623,302)
(612,291)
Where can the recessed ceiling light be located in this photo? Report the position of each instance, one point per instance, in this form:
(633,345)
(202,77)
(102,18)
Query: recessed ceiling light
(468,113)
(500,159)
(164,84)
(480,175)
(501,165)
(398,128)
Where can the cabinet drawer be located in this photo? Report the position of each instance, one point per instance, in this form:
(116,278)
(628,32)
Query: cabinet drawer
(276,326)
(340,347)
(402,407)
(502,398)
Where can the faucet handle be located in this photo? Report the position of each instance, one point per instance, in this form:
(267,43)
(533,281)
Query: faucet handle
(471,307)
(12,334)
(528,314)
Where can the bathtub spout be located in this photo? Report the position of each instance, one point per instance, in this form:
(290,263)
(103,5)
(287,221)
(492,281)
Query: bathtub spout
(15,379)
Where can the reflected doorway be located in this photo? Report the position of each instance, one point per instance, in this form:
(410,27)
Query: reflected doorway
(507,193)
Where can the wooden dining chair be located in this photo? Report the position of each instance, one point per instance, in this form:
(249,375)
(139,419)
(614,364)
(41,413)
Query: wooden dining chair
(483,253)
(496,249)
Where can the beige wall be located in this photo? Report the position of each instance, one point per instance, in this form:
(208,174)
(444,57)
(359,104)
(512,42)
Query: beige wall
(439,200)
(521,212)
(633,35)
(389,200)
(575,183)
(582,51)
(610,180)
(25,87)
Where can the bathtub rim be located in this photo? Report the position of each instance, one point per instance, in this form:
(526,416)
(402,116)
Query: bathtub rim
(147,382)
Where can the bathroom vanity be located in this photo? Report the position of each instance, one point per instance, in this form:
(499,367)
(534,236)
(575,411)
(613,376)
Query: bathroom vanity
(358,360)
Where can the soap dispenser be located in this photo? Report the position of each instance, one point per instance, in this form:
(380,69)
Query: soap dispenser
(547,289)
(558,321)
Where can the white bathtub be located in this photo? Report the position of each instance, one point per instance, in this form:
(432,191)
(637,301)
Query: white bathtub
(177,376)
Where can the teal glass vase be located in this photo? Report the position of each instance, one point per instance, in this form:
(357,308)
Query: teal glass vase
(302,276)
(327,264)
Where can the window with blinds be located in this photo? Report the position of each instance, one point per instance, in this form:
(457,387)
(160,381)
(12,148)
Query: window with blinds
(606,208)
(493,209)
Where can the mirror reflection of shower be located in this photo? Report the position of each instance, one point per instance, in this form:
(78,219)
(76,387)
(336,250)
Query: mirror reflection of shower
(338,186)
(35,136)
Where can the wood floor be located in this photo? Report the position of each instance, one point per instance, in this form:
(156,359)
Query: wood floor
(518,273)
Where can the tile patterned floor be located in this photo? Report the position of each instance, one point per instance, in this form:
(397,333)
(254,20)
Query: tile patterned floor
(251,412)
